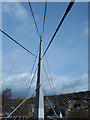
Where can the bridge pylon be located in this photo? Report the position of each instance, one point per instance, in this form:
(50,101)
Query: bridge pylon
(39,99)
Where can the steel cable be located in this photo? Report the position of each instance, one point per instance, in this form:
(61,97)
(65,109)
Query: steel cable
(34,18)
(67,11)
(22,102)
(44,17)
(50,103)
(48,79)
(51,79)
(29,84)
(17,43)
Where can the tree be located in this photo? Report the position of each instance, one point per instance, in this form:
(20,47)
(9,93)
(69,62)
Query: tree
(6,94)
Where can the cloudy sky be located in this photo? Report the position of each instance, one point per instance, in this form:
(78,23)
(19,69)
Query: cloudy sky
(67,56)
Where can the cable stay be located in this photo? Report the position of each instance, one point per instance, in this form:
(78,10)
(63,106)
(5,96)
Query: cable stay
(50,104)
(62,20)
(34,18)
(48,79)
(29,84)
(53,92)
(51,79)
(40,60)
(50,74)
(17,43)
(23,102)
(44,18)
(55,99)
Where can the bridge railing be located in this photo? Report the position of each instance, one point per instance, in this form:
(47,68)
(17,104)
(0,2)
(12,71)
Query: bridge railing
(15,118)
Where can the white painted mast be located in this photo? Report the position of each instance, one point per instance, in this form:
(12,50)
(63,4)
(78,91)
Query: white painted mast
(39,99)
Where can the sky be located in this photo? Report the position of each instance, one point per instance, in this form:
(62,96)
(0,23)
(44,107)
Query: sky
(67,55)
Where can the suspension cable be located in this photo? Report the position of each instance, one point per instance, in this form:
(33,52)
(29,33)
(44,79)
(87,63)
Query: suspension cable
(17,43)
(34,18)
(44,17)
(62,20)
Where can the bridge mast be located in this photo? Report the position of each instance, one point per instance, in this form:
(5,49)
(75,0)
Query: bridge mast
(39,99)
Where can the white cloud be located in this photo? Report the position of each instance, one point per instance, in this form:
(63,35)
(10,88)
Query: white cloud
(0,82)
(20,14)
(16,10)
(67,85)
(0,63)
(19,82)
(0,71)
